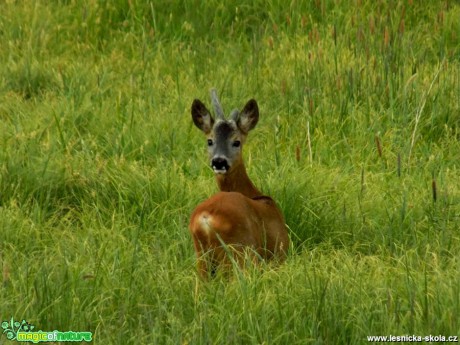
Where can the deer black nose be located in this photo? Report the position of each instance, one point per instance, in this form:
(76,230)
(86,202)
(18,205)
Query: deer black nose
(219,164)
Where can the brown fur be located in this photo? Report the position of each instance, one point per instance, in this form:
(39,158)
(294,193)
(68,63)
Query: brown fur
(240,223)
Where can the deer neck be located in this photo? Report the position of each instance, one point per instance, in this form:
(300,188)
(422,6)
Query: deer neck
(237,180)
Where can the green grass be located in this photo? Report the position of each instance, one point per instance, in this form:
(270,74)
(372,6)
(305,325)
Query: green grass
(101,167)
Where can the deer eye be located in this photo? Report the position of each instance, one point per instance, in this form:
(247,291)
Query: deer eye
(210,142)
(236,143)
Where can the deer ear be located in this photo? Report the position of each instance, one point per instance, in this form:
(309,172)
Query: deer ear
(249,116)
(201,116)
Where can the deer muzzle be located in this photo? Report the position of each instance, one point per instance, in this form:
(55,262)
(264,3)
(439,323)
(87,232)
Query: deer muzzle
(219,165)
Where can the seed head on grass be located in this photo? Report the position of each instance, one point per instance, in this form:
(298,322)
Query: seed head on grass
(386,37)
(372,25)
(379,145)
(434,189)
(401,26)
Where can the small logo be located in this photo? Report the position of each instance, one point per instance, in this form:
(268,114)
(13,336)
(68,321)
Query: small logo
(11,328)
(24,332)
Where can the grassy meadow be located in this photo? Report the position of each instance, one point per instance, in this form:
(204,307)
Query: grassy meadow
(101,166)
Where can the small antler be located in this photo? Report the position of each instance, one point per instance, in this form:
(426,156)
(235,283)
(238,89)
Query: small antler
(234,115)
(216,104)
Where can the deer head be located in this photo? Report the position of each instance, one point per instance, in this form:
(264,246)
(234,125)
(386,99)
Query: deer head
(225,137)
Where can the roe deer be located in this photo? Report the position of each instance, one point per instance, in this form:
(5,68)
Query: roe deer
(239,219)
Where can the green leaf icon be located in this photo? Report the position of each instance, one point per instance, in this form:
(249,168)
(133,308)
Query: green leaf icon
(10,335)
